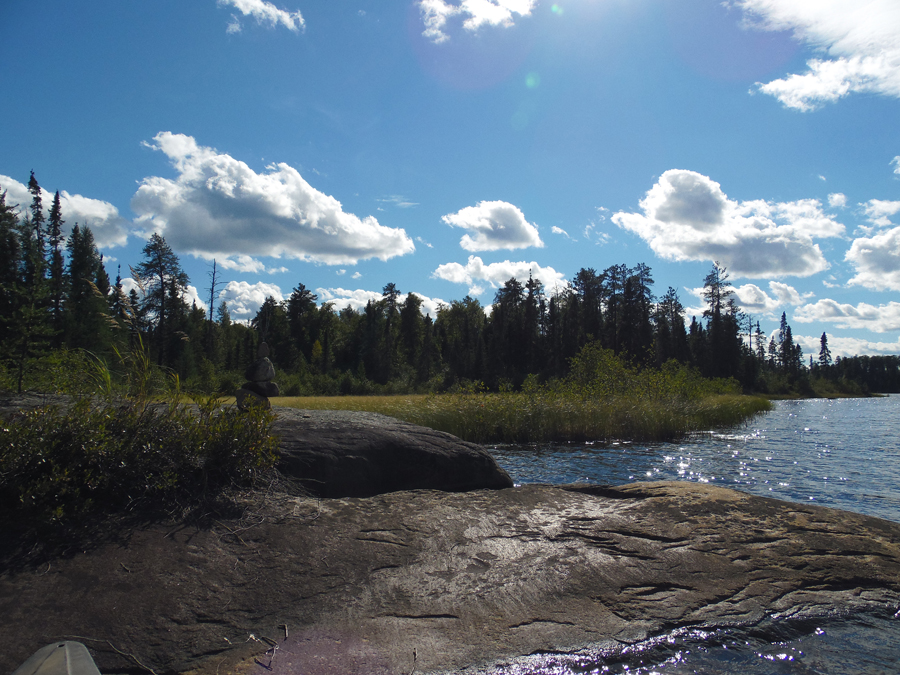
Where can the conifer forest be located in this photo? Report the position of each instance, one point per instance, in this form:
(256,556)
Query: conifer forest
(57,303)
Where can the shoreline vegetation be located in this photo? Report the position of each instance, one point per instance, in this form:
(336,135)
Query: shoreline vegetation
(126,438)
(603,398)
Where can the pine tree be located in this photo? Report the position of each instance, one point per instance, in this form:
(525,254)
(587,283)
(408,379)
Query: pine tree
(824,353)
(56,270)
(723,325)
(11,290)
(86,319)
(161,276)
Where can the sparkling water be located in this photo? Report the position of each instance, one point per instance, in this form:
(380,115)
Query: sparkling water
(843,454)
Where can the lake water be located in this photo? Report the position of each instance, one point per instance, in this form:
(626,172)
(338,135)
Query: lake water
(843,453)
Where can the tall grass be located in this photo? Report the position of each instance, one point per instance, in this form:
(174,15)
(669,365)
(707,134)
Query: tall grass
(603,398)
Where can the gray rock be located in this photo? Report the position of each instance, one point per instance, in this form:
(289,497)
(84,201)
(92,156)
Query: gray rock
(244,398)
(354,454)
(260,370)
(460,580)
(262,388)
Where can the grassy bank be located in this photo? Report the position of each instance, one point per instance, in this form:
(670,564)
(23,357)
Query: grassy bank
(604,398)
(544,416)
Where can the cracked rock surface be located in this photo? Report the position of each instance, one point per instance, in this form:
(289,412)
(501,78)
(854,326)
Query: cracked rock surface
(446,582)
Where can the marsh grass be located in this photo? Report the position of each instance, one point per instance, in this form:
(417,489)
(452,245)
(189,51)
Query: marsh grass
(604,398)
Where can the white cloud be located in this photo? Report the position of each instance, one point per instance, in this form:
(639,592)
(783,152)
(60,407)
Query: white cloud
(844,346)
(399,201)
(559,230)
(242,263)
(423,242)
(877,261)
(107,226)
(879,211)
(129,284)
(218,207)
(879,319)
(686,216)
(837,200)
(592,233)
(755,300)
(848,346)
(356,275)
(476,13)
(192,296)
(341,272)
(497,274)
(245,299)
(896,164)
(264,13)
(495,225)
(357,299)
(859,39)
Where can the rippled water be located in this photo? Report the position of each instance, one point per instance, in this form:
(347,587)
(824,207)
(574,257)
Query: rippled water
(843,454)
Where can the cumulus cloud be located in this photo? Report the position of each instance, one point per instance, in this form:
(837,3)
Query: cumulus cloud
(107,226)
(475,14)
(219,207)
(848,346)
(879,319)
(877,260)
(264,13)
(495,225)
(837,200)
(751,298)
(242,263)
(687,216)
(191,295)
(896,164)
(245,299)
(859,39)
(342,298)
(879,211)
(497,274)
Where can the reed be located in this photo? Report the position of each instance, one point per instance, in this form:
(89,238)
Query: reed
(604,398)
(521,417)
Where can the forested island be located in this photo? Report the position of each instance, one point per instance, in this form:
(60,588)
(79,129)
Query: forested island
(56,299)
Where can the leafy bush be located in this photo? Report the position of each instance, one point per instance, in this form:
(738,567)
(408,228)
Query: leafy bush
(118,446)
(60,463)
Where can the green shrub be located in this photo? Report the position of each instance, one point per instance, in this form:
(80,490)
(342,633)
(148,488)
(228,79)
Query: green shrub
(61,463)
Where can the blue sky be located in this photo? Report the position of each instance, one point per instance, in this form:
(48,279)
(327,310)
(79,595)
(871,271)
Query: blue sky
(446,145)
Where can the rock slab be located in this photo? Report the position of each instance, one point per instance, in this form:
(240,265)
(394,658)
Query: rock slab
(356,454)
(437,582)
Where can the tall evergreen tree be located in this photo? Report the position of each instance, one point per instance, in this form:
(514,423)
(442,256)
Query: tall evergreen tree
(824,353)
(723,325)
(86,319)
(162,277)
(11,290)
(56,269)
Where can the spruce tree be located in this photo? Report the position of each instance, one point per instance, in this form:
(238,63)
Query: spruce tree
(56,271)
(86,315)
(11,290)
(162,278)
(824,353)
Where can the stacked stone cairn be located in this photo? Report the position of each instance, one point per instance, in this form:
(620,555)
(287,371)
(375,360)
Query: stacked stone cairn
(259,386)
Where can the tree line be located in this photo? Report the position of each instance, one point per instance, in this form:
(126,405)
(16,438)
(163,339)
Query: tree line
(55,295)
